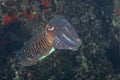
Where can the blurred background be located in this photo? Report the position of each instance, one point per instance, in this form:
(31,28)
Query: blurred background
(97,23)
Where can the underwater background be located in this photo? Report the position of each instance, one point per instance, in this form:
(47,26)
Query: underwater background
(97,23)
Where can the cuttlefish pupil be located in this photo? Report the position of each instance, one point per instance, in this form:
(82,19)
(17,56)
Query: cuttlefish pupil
(51,28)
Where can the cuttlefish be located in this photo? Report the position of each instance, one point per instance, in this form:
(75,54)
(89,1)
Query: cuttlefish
(58,33)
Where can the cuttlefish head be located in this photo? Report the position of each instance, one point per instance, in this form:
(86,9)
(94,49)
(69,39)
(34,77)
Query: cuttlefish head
(65,35)
(50,33)
(50,30)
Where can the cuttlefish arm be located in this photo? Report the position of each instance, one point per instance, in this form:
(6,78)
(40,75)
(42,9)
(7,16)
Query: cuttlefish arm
(65,35)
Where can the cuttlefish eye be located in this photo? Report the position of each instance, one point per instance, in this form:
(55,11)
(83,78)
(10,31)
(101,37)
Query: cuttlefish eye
(50,28)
